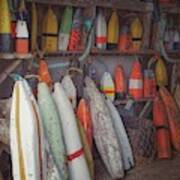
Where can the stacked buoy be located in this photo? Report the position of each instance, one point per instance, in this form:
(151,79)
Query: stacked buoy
(5,27)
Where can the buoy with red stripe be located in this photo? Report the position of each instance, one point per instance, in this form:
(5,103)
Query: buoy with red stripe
(136,30)
(75,37)
(107,86)
(173,115)
(136,80)
(124,39)
(22,37)
(75,154)
(149,83)
(101,31)
(162,129)
(120,82)
(83,114)
(44,74)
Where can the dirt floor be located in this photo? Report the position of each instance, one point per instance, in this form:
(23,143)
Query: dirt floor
(157,170)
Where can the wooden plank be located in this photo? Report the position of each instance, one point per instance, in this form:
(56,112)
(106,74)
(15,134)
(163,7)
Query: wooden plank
(127,5)
(60,3)
(13,56)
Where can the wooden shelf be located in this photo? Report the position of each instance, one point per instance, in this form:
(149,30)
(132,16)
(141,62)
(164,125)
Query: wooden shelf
(74,3)
(96,52)
(170,8)
(127,5)
(124,101)
(12,56)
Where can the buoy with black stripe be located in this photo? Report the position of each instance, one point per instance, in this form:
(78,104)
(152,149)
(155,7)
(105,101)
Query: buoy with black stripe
(76,31)
(120,82)
(5,27)
(78,168)
(50,32)
(107,85)
(101,31)
(136,80)
(113,31)
(44,74)
(162,129)
(22,37)
(65,29)
(136,30)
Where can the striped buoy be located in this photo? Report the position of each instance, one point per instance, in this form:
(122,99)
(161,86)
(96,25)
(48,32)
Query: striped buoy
(136,30)
(22,37)
(107,86)
(149,83)
(5,27)
(136,81)
(101,31)
(120,85)
(113,30)
(66,24)
(75,38)
(124,39)
(50,32)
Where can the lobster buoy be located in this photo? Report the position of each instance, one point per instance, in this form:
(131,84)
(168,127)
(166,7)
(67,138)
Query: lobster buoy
(136,81)
(101,32)
(22,37)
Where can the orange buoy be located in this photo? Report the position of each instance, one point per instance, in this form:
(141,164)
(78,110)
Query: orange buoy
(22,37)
(44,74)
(173,115)
(160,121)
(136,81)
(119,78)
(149,83)
(83,114)
(124,40)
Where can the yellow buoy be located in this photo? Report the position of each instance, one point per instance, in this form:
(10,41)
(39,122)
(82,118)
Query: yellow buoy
(136,30)
(50,32)
(113,30)
(161,73)
(5,27)
(34,27)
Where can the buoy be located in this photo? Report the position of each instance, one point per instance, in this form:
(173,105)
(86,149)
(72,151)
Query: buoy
(113,30)
(5,27)
(107,85)
(177,95)
(124,39)
(136,81)
(83,114)
(101,31)
(136,30)
(76,31)
(44,74)
(173,115)
(162,129)
(161,73)
(34,27)
(22,37)
(149,83)
(50,32)
(120,82)
(65,29)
